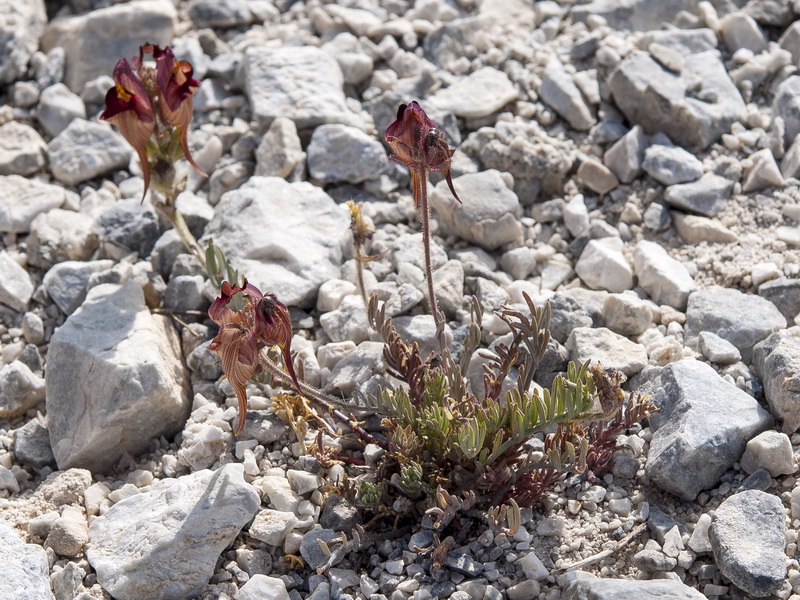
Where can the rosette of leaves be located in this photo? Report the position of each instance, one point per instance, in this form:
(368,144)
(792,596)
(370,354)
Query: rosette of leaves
(458,449)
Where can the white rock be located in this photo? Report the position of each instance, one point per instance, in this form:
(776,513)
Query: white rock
(576,215)
(602,266)
(59,235)
(330,354)
(58,106)
(308,232)
(480,94)
(115,379)
(303,482)
(86,149)
(764,172)
(20,389)
(16,286)
(96,40)
(740,30)
(625,157)
(173,534)
(664,279)
(271,526)
(559,92)
(532,567)
(304,84)
(717,349)
(770,450)
(348,322)
(279,151)
(280,493)
(699,541)
(259,587)
(340,153)
(22,149)
(518,262)
(626,314)
(607,348)
(22,199)
(26,572)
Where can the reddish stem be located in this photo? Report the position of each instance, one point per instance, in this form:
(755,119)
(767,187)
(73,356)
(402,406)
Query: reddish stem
(420,187)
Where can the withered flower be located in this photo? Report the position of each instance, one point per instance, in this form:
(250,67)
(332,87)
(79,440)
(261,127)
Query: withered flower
(419,145)
(262,322)
(152,107)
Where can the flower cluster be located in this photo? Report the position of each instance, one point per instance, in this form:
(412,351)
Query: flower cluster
(263,321)
(152,107)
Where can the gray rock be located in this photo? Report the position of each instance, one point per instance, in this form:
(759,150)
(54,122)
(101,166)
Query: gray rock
(706,196)
(308,232)
(262,426)
(786,105)
(538,162)
(742,319)
(489,213)
(421,329)
(718,350)
(559,92)
(596,176)
(338,514)
(633,15)
(619,589)
(96,40)
(664,279)
(26,571)
(671,164)
(60,235)
(68,582)
(279,152)
(33,328)
(21,389)
(445,44)
(783,293)
(448,281)
(740,30)
(22,149)
(625,157)
(651,560)
(694,109)
(356,64)
(357,367)
(341,153)
(19,37)
(32,445)
(764,172)
(748,537)
(16,285)
(463,563)
(58,106)
(116,362)
(186,292)
(777,363)
(657,217)
(219,13)
(695,229)
(304,84)
(310,549)
(478,95)
(403,299)
(69,533)
(66,282)
(567,314)
(696,435)
(86,149)
(627,314)
(184,523)
(22,199)
(602,266)
(601,345)
(407,248)
(790,40)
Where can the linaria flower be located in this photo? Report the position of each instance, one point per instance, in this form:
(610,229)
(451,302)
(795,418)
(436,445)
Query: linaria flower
(152,107)
(262,322)
(419,145)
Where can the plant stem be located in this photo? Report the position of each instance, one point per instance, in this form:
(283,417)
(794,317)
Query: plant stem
(420,179)
(181,228)
(360,278)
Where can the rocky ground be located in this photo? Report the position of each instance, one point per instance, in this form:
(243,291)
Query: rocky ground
(634,162)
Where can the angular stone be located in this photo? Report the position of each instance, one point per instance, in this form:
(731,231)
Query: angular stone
(219,13)
(748,536)
(559,92)
(701,429)
(617,589)
(184,524)
(764,173)
(489,213)
(22,149)
(718,350)
(115,380)
(660,101)
(633,15)
(26,571)
(58,107)
(786,104)
(777,363)
(627,314)
(625,157)
(341,153)
(22,199)
(66,282)
(262,586)
(96,40)
(740,30)
(664,279)
(86,149)
(706,196)
(695,229)
(357,367)
(271,526)
(308,232)
(16,285)
(20,31)
(602,266)
(671,164)
(770,451)
(304,84)
(279,151)
(742,319)
(32,445)
(597,177)
(350,53)
(607,348)
(783,293)
(60,235)
(20,389)
(478,95)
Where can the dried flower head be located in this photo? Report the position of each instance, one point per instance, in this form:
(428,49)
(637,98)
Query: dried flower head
(419,145)
(263,321)
(152,107)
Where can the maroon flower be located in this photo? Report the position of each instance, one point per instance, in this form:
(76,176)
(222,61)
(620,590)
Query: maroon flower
(262,322)
(419,144)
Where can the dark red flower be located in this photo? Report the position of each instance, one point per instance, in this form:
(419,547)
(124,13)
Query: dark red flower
(418,144)
(262,322)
